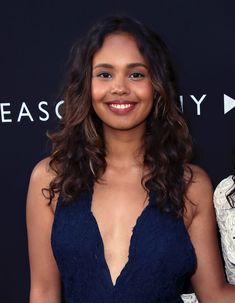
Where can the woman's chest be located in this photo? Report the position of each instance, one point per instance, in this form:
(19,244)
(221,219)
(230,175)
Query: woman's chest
(157,241)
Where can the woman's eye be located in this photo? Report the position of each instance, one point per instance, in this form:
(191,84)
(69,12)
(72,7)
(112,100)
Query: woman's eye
(104,75)
(136,75)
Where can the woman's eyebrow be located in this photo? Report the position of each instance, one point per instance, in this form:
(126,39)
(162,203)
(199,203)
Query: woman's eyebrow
(105,65)
(130,65)
(137,64)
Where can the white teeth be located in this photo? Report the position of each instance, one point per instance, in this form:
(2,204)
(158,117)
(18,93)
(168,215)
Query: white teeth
(120,106)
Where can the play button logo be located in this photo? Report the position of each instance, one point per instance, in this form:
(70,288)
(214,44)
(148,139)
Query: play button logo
(229,104)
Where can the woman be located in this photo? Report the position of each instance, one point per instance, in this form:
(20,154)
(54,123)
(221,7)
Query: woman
(224,201)
(130,220)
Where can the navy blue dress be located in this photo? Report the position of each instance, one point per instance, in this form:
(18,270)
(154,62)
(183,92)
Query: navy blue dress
(161,257)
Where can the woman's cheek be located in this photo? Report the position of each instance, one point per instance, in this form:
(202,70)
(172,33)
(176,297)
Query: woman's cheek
(98,91)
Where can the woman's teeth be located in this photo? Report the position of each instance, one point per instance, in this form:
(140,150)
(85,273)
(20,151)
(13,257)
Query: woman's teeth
(121,106)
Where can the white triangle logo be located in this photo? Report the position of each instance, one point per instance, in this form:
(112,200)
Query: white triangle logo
(229,104)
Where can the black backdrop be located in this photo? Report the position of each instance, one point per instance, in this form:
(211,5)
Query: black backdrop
(35,42)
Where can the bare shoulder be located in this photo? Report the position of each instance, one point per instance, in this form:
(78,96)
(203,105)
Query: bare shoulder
(42,171)
(200,185)
(203,234)
(40,179)
(199,194)
(45,278)
(199,174)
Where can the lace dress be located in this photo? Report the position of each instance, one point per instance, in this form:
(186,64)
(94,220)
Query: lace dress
(225,216)
(161,257)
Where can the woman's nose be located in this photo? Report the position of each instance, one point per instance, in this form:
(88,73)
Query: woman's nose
(120,86)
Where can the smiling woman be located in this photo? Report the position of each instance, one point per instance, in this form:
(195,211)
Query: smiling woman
(121,87)
(117,213)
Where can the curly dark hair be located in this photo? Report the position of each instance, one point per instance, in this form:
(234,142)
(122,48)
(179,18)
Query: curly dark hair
(79,153)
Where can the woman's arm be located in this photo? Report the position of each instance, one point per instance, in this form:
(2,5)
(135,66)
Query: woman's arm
(45,279)
(209,280)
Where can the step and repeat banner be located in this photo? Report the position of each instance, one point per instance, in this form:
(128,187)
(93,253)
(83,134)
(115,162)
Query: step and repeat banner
(35,43)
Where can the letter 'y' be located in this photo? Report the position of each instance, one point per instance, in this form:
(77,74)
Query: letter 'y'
(198,102)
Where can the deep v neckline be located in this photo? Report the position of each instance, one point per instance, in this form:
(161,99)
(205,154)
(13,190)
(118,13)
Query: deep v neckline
(132,241)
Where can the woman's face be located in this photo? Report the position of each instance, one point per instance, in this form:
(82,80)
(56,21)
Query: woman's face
(121,87)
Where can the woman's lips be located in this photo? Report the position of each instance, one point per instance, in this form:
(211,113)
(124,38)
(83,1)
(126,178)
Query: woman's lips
(121,107)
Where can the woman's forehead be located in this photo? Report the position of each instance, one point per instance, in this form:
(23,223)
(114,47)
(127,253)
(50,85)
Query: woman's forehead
(120,48)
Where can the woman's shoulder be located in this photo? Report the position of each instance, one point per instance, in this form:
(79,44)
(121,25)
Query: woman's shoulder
(42,170)
(199,191)
(41,177)
(42,174)
(199,179)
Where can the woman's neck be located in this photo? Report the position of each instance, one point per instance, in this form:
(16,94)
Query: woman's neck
(124,148)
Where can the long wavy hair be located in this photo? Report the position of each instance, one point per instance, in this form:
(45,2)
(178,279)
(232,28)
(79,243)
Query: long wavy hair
(79,153)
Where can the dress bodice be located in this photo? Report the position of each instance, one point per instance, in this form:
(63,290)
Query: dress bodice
(161,257)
